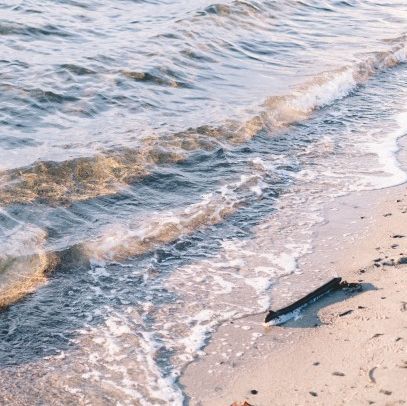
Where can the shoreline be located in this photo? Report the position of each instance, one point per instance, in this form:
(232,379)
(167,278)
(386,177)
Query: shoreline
(345,347)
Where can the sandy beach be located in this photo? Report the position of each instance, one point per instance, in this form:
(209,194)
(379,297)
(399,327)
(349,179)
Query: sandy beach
(349,348)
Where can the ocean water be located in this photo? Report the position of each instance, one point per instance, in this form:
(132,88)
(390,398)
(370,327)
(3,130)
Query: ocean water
(162,165)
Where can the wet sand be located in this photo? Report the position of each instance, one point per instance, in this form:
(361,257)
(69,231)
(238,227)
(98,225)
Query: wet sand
(347,348)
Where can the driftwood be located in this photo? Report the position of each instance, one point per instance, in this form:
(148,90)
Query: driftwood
(333,284)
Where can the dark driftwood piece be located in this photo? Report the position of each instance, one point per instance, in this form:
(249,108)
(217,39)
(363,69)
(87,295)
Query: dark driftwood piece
(334,283)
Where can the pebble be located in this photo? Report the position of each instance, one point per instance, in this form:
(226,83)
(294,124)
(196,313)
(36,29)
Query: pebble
(386,392)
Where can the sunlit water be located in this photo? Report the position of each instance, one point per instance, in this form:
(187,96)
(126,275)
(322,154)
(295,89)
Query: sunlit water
(163,164)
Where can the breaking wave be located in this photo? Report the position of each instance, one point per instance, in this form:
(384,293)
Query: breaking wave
(136,237)
(110,171)
(24,264)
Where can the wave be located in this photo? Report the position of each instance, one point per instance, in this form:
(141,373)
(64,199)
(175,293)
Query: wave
(77,69)
(136,237)
(23,264)
(324,89)
(239,7)
(110,171)
(14,28)
(80,178)
(163,77)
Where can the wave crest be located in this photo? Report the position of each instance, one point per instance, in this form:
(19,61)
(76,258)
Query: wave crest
(23,264)
(108,172)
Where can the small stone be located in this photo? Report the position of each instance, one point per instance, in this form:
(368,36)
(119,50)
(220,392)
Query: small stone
(254,392)
(385,392)
(345,313)
(316,363)
(389,263)
(336,373)
(313,394)
(402,260)
(371,375)
(377,335)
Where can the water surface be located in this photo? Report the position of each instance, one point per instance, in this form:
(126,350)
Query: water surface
(163,164)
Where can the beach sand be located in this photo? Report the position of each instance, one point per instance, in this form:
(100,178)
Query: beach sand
(349,348)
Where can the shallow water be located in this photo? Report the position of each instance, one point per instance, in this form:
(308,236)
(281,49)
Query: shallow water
(162,165)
